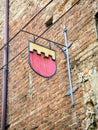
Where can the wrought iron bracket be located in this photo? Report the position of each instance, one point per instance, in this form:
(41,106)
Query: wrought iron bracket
(66,47)
(66,54)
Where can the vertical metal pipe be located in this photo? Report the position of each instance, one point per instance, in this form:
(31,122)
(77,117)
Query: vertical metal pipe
(68,65)
(5,71)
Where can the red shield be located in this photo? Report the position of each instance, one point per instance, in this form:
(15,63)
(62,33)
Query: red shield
(42,60)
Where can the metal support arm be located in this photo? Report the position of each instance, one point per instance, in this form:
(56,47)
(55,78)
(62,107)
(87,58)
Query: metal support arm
(65,49)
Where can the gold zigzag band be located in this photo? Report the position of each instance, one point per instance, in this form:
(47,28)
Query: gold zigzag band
(41,49)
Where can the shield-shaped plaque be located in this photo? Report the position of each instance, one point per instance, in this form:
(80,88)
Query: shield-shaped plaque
(42,60)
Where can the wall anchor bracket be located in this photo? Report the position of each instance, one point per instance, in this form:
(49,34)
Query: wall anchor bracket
(66,54)
(69,92)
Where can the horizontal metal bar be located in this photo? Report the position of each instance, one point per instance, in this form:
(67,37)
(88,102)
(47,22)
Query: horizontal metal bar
(42,37)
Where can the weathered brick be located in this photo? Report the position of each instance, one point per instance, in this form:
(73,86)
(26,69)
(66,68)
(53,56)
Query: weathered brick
(39,103)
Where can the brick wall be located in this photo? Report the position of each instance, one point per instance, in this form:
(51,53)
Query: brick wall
(37,103)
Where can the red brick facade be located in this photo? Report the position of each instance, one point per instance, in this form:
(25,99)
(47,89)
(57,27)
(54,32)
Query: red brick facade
(37,103)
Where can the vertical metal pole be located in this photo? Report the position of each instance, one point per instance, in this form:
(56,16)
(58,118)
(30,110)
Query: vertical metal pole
(5,71)
(68,65)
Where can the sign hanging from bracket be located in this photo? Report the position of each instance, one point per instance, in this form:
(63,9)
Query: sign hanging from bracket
(42,60)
